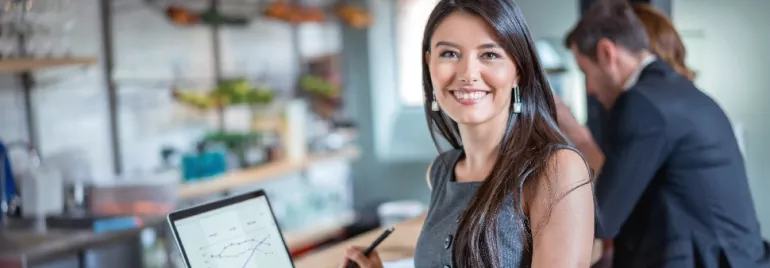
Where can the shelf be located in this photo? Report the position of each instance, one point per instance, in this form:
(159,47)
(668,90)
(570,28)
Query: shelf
(265,172)
(23,65)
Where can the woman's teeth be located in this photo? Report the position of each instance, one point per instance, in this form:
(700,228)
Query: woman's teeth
(470,95)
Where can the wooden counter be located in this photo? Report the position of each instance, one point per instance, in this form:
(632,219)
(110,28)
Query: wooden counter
(261,173)
(400,244)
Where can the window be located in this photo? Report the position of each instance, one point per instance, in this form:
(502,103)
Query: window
(412,17)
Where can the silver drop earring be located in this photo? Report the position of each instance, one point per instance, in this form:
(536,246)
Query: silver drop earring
(516,100)
(434,104)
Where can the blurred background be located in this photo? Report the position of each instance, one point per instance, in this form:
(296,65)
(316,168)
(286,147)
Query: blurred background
(115,112)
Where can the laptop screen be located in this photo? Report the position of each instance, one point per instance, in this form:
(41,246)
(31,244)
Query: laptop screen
(239,235)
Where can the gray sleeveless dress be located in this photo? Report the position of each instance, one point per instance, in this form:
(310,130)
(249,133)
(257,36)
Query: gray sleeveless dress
(448,200)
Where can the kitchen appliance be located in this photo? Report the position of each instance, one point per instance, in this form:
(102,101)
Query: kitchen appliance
(76,173)
(42,189)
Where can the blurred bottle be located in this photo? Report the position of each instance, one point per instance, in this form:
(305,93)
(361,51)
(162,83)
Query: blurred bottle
(42,192)
(295,130)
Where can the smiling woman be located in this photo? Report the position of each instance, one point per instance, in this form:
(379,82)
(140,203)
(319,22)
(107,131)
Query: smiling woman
(527,186)
(511,192)
(477,75)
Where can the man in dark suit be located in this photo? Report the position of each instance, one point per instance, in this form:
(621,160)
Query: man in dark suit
(672,188)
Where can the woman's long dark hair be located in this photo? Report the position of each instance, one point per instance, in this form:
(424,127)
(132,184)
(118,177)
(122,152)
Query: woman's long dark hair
(527,145)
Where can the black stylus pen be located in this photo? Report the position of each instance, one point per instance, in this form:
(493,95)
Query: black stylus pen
(371,247)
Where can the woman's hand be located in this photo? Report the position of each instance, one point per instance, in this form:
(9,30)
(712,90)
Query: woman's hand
(356,255)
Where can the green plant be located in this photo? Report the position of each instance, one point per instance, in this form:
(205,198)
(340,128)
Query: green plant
(318,85)
(239,91)
(233,141)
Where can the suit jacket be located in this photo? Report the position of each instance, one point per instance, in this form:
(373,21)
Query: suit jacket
(673,190)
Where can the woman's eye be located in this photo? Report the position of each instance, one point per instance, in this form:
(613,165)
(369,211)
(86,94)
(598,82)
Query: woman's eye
(490,55)
(448,54)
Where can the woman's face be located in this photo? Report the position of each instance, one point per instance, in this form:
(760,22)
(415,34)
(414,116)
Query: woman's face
(472,75)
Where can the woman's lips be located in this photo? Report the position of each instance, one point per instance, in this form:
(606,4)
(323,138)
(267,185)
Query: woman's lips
(469,97)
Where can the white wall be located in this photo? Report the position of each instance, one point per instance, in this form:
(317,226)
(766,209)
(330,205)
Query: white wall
(727,45)
(63,94)
(549,18)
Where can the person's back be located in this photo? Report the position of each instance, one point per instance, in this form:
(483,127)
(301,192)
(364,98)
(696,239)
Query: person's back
(701,193)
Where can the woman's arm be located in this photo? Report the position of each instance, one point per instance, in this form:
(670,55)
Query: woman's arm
(561,211)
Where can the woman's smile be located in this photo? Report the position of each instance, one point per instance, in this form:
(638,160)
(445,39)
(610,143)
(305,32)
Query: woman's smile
(469,96)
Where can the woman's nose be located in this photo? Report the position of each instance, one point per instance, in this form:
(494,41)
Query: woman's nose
(468,72)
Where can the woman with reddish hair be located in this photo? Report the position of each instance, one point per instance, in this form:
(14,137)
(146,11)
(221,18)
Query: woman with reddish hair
(665,41)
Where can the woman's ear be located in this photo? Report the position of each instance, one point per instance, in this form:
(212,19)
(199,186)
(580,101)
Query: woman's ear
(517,80)
(427,57)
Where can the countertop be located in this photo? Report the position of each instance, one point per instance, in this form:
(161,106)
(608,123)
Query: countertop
(399,245)
(25,246)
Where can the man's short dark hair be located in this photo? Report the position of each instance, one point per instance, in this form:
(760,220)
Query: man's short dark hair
(614,20)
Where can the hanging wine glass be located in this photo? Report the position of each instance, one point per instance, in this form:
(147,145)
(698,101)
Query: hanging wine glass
(64,36)
(16,21)
(43,17)
(8,41)
(66,22)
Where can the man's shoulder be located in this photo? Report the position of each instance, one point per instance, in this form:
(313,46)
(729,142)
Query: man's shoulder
(660,83)
(636,112)
(671,94)
(637,103)
(664,91)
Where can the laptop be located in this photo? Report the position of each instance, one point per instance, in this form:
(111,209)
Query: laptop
(234,232)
